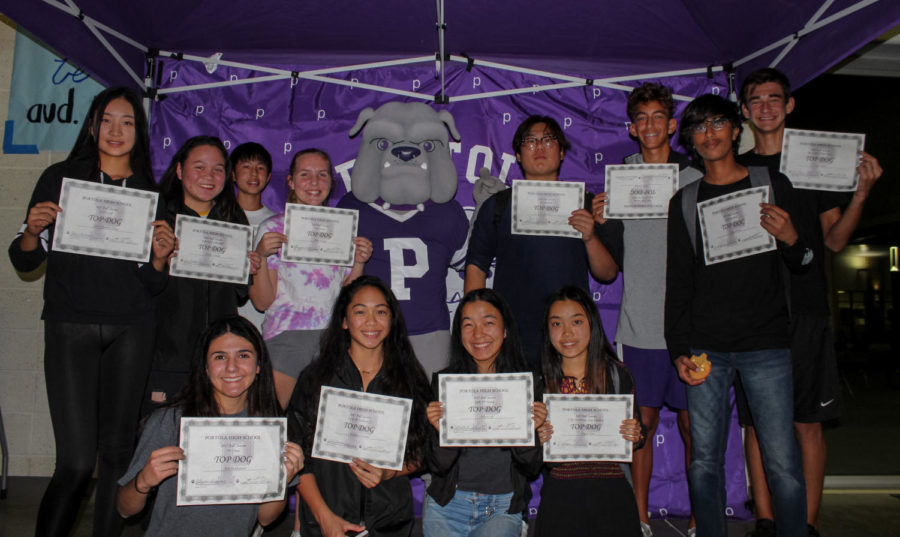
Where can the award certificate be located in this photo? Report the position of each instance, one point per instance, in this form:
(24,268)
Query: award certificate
(361,425)
(815,160)
(487,409)
(586,427)
(319,235)
(640,190)
(231,460)
(730,228)
(105,220)
(211,250)
(544,207)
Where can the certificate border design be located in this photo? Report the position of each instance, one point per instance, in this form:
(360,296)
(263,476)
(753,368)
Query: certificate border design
(68,184)
(603,457)
(200,275)
(522,441)
(645,215)
(809,185)
(515,230)
(768,247)
(394,463)
(345,262)
(211,499)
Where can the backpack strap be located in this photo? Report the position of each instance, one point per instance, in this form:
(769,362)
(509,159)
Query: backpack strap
(689,211)
(759,176)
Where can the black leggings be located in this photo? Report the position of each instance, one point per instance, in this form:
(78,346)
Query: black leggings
(95,378)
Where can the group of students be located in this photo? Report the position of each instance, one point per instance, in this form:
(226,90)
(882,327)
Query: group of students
(112,327)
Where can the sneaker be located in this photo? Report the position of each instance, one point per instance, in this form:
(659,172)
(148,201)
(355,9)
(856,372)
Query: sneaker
(691,532)
(813,532)
(295,533)
(645,530)
(764,528)
(257,531)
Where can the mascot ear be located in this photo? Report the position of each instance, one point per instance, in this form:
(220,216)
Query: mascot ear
(361,121)
(448,121)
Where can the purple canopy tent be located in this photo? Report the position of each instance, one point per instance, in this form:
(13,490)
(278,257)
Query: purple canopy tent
(295,74)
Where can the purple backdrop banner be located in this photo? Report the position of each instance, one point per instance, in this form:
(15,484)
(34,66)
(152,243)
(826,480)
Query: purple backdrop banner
(290,115)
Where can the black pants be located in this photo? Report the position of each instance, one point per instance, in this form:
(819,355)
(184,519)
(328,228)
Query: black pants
(95,378)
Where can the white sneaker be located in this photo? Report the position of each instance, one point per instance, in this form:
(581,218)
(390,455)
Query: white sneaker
(257,531)
(692,532)
(295,533)
(645,530)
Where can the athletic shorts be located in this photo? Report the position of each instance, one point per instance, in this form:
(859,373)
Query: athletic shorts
(293,350)
(656,381)
(817,385)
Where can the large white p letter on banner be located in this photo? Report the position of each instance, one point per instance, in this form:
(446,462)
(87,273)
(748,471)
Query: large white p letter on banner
(399,271)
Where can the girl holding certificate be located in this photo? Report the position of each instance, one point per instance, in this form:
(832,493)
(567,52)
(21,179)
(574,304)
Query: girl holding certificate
(364,348)
(480,491)
(98,317)
(297,297)
(231,376)
(198,182)
(584,498)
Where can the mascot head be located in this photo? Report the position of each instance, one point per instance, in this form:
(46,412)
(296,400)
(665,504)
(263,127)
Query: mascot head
(404,157)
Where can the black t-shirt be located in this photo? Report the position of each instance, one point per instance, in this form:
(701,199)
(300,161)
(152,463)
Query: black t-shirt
(733,306)
(808,291)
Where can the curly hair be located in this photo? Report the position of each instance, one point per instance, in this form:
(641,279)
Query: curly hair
(647,93)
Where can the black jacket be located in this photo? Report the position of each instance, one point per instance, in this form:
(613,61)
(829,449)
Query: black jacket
(525,464)
(82,288)
(387,509)
(186,306)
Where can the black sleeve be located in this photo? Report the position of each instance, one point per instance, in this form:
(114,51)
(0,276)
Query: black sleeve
(612,235)
(47,189)
(679,282)
(440,460)
(798,257)
(483,243)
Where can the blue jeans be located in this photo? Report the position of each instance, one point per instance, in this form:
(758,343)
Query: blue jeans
(766,376)
(471,514)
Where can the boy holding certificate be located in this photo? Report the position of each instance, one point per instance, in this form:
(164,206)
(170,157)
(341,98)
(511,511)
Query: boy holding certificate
(251,169)
(529,268)
(767,101)
(725,298)
(638,248)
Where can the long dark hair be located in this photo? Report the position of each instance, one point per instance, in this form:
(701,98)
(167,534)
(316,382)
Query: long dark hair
(600,355)
(225,208)
(401,372)
(85,148)
(197,399)
(511,358)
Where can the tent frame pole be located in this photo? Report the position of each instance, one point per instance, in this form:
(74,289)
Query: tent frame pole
(809,28)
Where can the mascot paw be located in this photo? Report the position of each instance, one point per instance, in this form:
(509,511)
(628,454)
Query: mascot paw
(486,186)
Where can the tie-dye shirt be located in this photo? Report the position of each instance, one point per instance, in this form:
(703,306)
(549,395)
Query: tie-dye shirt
(306,293)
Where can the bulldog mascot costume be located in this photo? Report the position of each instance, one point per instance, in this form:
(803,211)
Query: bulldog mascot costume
(402,184)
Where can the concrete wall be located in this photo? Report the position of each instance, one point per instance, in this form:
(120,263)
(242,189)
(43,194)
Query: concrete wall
(23,395)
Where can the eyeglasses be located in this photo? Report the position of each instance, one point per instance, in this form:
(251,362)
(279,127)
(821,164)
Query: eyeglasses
(717,124)
(532,142)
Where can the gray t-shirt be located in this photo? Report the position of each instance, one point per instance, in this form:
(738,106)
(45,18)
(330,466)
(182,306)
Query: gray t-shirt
(170,520)
(644,273)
